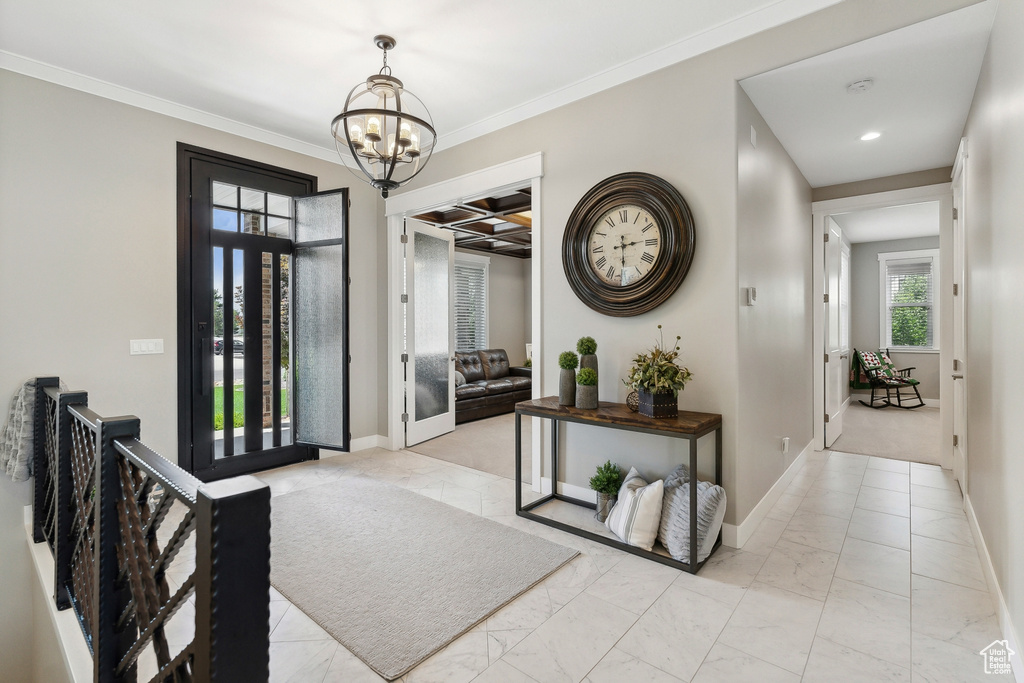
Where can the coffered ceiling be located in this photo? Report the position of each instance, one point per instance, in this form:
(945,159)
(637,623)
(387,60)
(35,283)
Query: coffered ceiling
(497,224)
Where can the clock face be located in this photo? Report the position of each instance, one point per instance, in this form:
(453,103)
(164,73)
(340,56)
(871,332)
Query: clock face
(624,245)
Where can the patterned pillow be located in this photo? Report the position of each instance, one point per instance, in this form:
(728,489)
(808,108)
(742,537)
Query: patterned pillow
(674,532)
(636,515)
(888,367)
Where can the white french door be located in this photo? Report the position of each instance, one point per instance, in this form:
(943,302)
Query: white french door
(429,332)
(835,374)
(959,322)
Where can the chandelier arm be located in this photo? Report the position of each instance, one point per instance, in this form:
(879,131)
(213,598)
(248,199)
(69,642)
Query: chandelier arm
(386,112)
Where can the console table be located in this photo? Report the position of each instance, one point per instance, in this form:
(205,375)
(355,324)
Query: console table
(688,426)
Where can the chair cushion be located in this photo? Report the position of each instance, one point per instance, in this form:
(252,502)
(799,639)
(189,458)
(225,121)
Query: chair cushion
(468,363)
(495,363)
(637,514)
(520,382)
(498,386)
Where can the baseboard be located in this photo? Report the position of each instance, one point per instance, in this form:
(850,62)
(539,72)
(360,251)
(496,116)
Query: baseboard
(735,535)
(364,443)
(571,490)
(930,402)
(1002,611)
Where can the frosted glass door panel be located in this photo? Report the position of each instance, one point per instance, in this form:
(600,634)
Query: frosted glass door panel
(430,389)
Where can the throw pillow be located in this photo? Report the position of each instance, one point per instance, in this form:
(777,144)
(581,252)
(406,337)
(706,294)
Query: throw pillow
(674,531)
(460,379)
(636,515)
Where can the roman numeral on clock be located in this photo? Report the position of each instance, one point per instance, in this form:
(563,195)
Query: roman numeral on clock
(622,216)
(653,242)
(598,249)
(610,222)
(601,261)
(611,272)
(647,227)
(647,258)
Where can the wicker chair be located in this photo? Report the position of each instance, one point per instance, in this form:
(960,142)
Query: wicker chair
(883,375)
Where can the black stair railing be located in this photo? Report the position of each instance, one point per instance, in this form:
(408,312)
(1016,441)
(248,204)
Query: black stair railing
(134,538)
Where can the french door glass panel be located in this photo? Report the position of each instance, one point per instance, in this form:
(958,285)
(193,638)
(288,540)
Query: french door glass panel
(835,368)
(430,335)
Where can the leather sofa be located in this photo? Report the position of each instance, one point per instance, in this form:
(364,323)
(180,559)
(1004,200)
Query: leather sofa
(492,386)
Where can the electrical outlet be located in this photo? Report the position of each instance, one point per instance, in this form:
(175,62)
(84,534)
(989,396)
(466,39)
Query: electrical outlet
(785,444)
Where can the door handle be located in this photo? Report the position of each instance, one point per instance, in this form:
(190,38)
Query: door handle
(452,359)
(844,356)
(957,375)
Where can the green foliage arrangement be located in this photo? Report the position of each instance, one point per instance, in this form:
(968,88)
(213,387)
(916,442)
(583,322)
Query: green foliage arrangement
(528,363)
(607,480)
(586,346)
(587,377)
(567,360)
(656,371)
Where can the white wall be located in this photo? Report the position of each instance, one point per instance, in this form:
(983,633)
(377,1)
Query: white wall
(865,311)
(995,280)
(88,228)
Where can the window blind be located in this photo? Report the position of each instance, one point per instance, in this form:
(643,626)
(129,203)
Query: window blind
(909,302)
(470,306)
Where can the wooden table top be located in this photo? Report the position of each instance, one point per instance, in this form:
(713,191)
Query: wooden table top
(618,415)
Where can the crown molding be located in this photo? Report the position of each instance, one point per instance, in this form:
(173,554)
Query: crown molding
(134,98)
(730,32)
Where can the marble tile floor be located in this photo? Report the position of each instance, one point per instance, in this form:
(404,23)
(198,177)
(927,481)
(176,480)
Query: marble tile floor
(865,570)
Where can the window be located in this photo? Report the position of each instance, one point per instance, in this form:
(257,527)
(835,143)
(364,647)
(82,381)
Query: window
(909,316)
(471,301)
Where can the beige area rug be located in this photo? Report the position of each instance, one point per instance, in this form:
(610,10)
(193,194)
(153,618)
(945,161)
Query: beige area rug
(488,445)
(895,433)
(395,576)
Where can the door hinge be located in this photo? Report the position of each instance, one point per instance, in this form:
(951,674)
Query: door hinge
(956,441)
(826,237)
(405,239)
(826,298)
(956,289)
(405,417)
(405,358)
(826,357)
(350,358)
(956,213)
(405,298)
(826,418)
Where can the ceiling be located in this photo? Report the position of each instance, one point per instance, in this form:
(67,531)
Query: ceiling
(924,77)
(894,222)
(497,224)
(280,71)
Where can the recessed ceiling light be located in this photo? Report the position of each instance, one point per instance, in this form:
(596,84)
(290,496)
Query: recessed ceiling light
(861,86)
(870,136)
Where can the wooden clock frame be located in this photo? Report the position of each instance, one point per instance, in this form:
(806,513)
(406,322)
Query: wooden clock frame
(667,206)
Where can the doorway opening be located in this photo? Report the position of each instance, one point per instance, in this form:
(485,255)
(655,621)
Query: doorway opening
(492,221)
(885,271)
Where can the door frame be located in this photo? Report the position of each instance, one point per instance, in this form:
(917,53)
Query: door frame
(943,194)
(186,154)
(508,175)
(958,271)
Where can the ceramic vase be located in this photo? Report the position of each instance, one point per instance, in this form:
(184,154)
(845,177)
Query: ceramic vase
(586,396)
(567,387)
(605,503)
(589,361)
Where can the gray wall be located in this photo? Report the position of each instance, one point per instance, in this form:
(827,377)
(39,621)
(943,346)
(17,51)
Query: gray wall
(995,365)
(88,216)
(698,98)
(507,303)
(774,255)
(865,308)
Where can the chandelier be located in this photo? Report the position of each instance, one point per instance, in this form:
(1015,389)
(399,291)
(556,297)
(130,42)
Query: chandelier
(386,129)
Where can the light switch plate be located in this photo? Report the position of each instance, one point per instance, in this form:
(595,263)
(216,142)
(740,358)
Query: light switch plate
(141,347)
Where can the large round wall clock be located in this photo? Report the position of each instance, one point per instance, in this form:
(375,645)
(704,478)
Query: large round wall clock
(628,244)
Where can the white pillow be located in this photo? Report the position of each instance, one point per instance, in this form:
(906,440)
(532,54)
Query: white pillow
(636,515)
(460,379)
(674,533)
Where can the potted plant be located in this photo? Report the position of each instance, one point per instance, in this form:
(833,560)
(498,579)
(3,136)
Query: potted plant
(658,379)
(606,482)
(568,362)
(586,389)
(587,347)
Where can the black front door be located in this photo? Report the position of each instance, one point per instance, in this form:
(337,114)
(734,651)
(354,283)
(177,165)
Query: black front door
(236,394)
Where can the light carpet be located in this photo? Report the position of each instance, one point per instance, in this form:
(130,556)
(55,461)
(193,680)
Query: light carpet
(395,576)
(488,445)
(895,433)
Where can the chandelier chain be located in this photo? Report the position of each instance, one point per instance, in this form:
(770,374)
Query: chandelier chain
(385,70)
